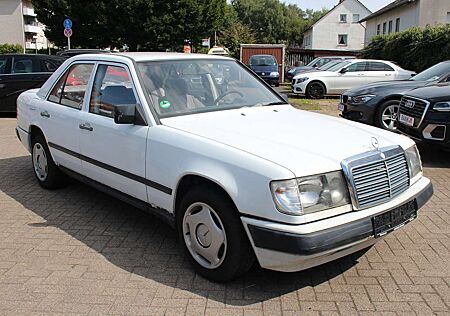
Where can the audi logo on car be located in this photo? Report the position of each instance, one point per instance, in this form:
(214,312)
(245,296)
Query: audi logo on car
(410,104)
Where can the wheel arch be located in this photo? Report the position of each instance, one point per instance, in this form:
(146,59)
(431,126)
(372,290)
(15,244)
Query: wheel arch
(189,180)
(318,81)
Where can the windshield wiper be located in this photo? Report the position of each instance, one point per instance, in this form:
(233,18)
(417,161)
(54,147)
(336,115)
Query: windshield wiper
(275,103)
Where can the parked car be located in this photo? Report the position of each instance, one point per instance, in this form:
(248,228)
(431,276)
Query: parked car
(347,75)
(424,115)
(225,165)
(265,66)
(74,52)
(315,64)
(377,103)
(20,72)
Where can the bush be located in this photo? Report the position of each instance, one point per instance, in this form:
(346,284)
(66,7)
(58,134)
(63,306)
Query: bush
(10,48)
(414,49)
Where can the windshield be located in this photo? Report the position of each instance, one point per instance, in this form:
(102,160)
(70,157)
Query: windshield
(339,66)
(313,62)
(182,87)
(263,61)
(433,73)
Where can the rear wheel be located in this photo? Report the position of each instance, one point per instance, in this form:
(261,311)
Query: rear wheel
(213,235)
(315,90)
(47,173)
(387,115)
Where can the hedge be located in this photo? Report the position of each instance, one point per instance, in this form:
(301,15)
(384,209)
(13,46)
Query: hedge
(10,48)
(414,49)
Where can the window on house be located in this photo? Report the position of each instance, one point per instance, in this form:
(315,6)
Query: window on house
(448,17)
(384,28)
(342,39)
(397,25)
(390,27)
(355,18)
(378,29)
(343,18)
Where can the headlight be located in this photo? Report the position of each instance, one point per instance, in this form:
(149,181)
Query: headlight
(361,99)
(442,106)
(302,79)
(274,74)
(414,162)
(310,194)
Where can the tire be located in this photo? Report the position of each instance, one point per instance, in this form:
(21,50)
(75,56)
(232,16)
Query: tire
(277,84)
(47,173)
(386,115)
(316,90)
(213,235)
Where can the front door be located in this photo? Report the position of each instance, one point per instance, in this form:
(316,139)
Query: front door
(354,76)
(113,154)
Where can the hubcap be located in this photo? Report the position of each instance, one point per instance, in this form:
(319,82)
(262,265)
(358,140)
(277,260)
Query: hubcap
(389,117)
(40,162)
(204,235)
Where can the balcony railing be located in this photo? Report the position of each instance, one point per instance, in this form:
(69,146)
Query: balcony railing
(32,28)
(28,11)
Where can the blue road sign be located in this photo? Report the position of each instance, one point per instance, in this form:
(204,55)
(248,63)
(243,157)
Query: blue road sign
(67,23)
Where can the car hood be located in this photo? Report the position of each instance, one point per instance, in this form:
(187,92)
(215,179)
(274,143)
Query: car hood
(387,87)
(303,142)
(434,93)
(265,68)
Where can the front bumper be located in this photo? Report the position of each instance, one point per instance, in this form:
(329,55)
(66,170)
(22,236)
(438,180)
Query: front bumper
(299,88)
(271,80)
(364,113)
(424,134)
(290,248)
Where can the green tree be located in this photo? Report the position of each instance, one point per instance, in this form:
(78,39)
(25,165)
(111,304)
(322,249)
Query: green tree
(236,35)
(141,24)
(10,48)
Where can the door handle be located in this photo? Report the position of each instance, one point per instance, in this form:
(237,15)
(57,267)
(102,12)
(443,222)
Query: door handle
(45,114)
(387,74)
(86,126)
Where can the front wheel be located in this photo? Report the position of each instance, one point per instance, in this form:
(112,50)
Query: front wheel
(387,115)
(213,235)
(315,90)
(47,173)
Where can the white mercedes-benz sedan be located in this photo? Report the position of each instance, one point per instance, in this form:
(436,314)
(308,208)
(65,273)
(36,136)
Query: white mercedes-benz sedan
(346,75)
(203,143)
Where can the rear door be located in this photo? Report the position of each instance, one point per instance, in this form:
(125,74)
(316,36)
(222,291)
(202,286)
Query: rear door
(60,114)
(5,69)
(379,71)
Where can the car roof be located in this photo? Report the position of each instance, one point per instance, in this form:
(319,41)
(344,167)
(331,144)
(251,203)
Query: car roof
(150,56)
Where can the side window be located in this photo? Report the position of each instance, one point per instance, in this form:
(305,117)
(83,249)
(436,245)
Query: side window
(357,67)
(112,87)
(51,66)
(377,66)
(23,65)
(3,61)
(71,88)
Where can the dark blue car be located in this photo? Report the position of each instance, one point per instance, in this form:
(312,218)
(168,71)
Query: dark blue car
(266,67)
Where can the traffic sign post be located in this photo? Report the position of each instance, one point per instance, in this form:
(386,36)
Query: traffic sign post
(68,30)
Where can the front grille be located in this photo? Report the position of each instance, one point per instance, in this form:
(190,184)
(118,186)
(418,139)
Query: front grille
(413,107)
(377,180)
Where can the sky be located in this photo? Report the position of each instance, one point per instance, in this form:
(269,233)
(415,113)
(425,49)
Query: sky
(372,5)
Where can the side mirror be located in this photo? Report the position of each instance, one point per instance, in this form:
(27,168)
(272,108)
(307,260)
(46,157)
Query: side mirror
(343,70)
(125,114)
(285,97)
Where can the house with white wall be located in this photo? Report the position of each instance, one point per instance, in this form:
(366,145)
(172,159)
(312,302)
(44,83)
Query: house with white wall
(401,15)
(339,29)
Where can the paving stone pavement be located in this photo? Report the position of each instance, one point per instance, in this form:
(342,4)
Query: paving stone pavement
(79,251)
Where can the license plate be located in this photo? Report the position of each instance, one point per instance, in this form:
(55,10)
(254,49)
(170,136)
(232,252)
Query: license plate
(407,120)
(341,107)
(394,219)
